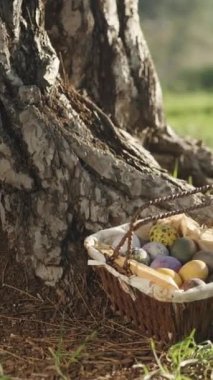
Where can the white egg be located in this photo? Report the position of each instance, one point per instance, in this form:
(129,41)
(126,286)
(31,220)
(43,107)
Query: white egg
(135,243)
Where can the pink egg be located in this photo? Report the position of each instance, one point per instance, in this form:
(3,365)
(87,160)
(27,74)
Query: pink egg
(192,283)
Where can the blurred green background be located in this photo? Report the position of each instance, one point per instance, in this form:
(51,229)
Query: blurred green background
(179,35)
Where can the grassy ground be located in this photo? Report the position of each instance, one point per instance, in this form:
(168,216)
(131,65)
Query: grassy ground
(191,114)
(41,338)
(40,341)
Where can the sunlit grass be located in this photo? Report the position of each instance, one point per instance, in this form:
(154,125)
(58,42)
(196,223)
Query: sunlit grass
(185,360)
(191,114)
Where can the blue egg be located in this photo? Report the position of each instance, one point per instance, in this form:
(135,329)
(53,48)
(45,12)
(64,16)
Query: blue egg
(155,249)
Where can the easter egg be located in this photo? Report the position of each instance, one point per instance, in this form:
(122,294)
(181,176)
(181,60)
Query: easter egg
(174,275)
(192,283)
(135,243)
(155,249)
(183,249)
(194,269)
(163,233)
(166,262)
(205,256)
(140,255)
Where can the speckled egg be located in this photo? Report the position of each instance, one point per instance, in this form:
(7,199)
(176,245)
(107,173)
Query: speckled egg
(166,262)
(163,233)
(183,249)
(192,283)
(155,249)
(134,244)
(174,275)
(205,256)
(140,255)
(194,269)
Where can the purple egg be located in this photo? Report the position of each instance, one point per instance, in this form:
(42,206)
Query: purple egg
(155,249)
(166,262)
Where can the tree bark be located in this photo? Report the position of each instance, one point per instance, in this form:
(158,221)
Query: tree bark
(65,169)
(104,54)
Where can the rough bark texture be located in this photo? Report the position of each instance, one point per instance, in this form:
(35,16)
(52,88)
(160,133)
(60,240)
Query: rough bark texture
(103,51)
(65,169)
(104,54)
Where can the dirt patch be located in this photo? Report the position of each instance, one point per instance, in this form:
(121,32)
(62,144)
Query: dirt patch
(69,349)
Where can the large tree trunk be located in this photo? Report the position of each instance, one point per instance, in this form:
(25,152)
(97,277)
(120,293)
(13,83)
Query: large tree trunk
(104,53)
(65,169)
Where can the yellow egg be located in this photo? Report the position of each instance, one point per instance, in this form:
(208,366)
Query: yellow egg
(174,275)
(163,233)
(194,269)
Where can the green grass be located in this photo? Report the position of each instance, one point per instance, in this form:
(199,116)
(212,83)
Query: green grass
(191,114)
(64,358)
(2,375)
(185,360)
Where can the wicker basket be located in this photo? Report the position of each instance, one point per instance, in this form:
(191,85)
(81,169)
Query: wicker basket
(166,321)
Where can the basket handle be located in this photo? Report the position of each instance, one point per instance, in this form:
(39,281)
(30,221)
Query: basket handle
(134,225)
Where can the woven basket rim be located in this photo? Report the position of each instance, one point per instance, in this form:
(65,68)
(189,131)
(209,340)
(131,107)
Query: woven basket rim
(98,259)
